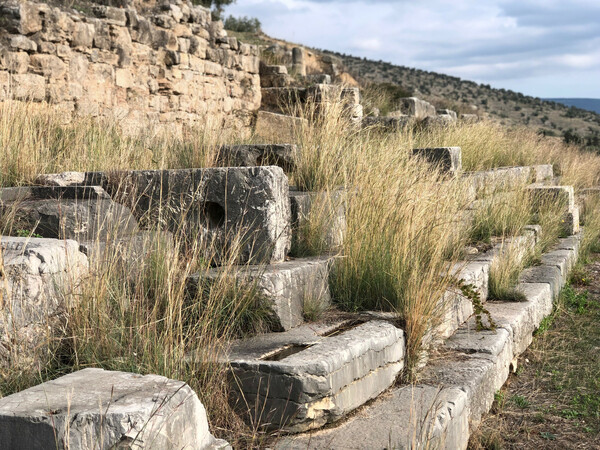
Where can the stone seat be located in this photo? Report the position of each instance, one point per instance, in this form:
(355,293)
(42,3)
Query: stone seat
(96,408)
(314,374)
(288,289)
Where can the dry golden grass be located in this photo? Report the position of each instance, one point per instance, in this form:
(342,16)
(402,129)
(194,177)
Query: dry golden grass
(406,226)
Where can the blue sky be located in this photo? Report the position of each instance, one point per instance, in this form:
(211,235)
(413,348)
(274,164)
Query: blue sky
(545,48)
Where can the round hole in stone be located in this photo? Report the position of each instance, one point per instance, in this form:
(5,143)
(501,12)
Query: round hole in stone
(213,215)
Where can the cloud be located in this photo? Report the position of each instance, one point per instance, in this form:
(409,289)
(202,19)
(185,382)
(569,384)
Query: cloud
(496,41)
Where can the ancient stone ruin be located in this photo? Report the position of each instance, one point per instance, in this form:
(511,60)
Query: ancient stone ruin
(173,68)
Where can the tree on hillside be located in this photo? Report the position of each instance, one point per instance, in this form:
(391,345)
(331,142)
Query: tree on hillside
(216,5)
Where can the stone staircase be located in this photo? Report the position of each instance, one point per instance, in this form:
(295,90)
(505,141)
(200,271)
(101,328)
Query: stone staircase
(303,375)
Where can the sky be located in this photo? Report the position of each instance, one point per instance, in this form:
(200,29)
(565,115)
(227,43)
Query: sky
(544,48)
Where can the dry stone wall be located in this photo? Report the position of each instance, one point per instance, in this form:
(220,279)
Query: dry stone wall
(173,66)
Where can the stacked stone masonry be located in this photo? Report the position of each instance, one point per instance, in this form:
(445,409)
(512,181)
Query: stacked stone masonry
(172,67)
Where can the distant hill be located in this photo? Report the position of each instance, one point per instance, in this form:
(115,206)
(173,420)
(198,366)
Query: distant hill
(507,107)
(591,104)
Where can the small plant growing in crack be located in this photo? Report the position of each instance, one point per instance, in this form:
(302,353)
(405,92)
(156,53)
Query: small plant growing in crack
(469,291)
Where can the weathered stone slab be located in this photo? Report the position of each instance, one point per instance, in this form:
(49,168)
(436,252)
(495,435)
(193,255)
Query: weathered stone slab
(550,275)
(501,179)
(95,408)
(287,288)
(389,124)
(321,213)
(67,212)
(243,209)
(543,173)
(250,155)
(413,106)
(470,118)
(448,159)
(302,387)
(418,416)
(37,277)
(278,127)
(447,112)
(562,194)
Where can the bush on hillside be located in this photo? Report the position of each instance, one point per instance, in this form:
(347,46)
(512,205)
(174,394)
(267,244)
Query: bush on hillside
(243,24)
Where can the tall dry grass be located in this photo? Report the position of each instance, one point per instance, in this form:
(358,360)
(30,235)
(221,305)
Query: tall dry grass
(406,227)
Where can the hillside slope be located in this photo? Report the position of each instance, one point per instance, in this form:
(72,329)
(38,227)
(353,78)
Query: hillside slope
(508,107)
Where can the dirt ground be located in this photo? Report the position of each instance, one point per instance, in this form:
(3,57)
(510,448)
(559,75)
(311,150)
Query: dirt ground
(553,400)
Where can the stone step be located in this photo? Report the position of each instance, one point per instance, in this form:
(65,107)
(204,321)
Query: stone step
(447,159)
(315,374)
(67,212)
(288,289)
(247,207)
(320,213)
(457,387)
(251,155)
(35,275)
(117,409)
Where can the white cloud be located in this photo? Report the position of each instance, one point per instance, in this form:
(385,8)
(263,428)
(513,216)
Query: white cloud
(501,42)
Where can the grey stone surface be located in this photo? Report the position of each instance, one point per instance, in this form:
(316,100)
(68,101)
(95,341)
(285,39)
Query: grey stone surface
(318,213)
(320,383)
(286,288)
(282,155)
(37,277)
(225,208)
(67,212)
(447,112)
(98,409)
(388,124)
(420,109)
(448,159)
(472,118)
(550,275)
(278,127)
(501,179)
(418,416)
(563,194)
(442,120)
(543,173)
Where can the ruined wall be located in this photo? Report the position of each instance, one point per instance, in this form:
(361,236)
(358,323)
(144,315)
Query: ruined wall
(171,67)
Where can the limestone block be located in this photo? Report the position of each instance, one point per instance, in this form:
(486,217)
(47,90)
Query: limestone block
(447,112)
(420,109)
(22,43)
(499,179)
(17,62)
(49,65)
(72,212)
(321,213)
(95,406)
(285,288)
(433,417)
(36,275)
(543,172)
(29,87)
(447,159)
(563,194)
(386,123)
(249,155)
(278,127)
(246,208)
(302,384)
(83,35)
(31,17)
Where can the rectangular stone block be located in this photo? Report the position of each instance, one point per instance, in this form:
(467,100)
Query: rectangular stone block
(278,127)
(37,277)
(318,215)
(286,288)
(543,173)
(489,182)
(100,409)
(251,155)
(448,159)
(67,212)
(563,194)
(420,109)
(297,383)
(388,124)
